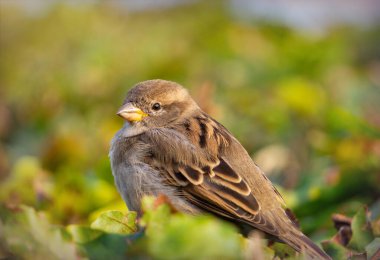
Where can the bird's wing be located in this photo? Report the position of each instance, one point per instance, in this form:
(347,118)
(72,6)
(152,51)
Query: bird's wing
(213,171)
(194,157)
(229,198)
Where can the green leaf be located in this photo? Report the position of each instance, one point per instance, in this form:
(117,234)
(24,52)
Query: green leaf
(23,180)
(107,246)
(335,250)
(154,217)
(195,237)
(28,235)
(82,234)
(283,250)
(361,231)
(373,248)
(116,222)
(179,236)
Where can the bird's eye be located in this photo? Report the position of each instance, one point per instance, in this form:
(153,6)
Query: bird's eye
(156,106)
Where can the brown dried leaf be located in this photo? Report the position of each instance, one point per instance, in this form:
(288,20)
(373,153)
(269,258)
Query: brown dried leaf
(343,236)
(341,220)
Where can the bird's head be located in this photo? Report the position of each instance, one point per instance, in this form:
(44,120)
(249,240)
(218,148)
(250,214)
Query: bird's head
(156,103)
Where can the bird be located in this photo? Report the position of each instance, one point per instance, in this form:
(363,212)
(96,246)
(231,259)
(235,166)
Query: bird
(169,146)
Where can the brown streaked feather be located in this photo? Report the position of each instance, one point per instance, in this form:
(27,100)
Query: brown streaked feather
(208,200)
(177,177)
(221,134)
(196,199)
(192,175)
(227,184)
(245,202)
(279,196)
(203,132)
(221,178)
(210,178)
(240,187)
(224,171)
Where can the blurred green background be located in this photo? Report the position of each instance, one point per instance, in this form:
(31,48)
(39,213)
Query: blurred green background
(304,102)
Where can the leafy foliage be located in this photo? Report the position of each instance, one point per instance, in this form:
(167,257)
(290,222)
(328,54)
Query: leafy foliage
(32,237)
(362,234)
(116,222)
(304,106)
(168,235)
(356,237)
(177,236)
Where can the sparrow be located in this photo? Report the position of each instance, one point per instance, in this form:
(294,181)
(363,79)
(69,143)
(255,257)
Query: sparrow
(169,146)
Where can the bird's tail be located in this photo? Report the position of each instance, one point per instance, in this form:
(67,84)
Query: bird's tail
(303,244)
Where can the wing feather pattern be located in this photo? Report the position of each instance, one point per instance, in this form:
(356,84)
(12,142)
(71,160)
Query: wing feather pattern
(208,181)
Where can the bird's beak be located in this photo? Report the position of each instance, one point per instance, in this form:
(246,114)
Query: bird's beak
(131,113)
